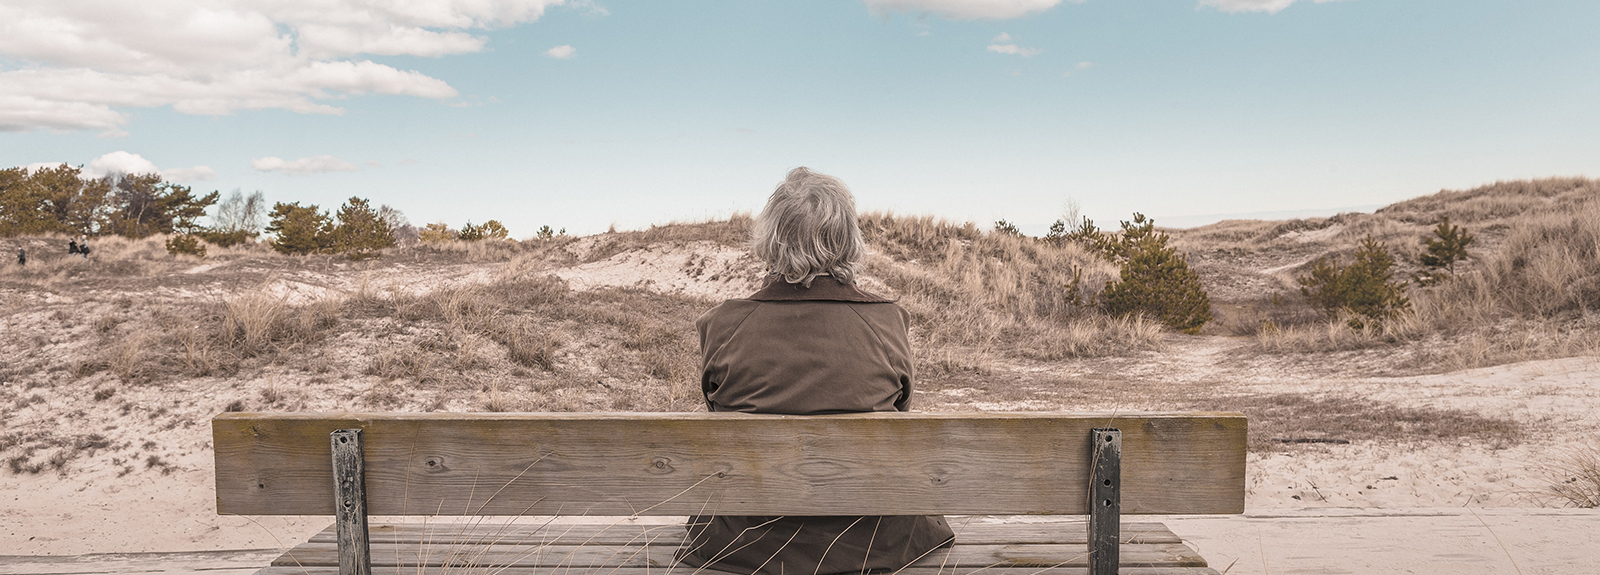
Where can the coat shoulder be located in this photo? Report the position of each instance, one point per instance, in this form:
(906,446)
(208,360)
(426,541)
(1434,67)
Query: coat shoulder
(725,315)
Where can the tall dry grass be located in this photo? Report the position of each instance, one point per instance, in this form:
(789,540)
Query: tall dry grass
(1536,294)
(997,292)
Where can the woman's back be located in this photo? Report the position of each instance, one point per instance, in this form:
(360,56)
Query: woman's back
(830,348)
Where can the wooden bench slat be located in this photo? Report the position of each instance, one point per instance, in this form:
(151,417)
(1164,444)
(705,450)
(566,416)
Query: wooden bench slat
(598,556)
(486,533)
(687,464)
(682,570)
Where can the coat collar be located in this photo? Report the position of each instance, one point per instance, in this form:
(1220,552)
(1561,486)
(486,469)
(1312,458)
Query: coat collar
(824,288)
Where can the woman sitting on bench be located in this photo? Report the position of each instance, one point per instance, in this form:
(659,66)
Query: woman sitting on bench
(809,342)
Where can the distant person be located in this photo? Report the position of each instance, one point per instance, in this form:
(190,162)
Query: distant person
(22,257)
(83,246)
(809,342)
(72,247)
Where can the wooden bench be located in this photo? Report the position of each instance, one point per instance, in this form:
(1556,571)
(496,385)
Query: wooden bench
(677,464)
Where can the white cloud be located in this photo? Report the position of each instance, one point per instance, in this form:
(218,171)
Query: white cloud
(1268,6)
(964,9)
(1003,44)
(303,166)
(119,162)
(77,65)
(36,166)
(561,52)
(195,174)
(1078,67)
(124,162)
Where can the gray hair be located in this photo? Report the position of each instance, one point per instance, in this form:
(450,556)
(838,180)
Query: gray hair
(808,229)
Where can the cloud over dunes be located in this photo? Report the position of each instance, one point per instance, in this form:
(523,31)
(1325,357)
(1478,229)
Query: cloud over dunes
(1004,44)
(1268,6)
(561,52)
(964,9)
(303,166)
(78,65)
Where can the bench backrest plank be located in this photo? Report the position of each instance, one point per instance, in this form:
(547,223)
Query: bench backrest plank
(729,463)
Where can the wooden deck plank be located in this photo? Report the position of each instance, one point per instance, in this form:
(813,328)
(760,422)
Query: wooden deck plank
(703,463)
(488,531)
(681,570)
(219,562)
(603,556)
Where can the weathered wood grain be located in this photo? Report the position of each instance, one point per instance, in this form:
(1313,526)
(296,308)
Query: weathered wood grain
(606,556)
(218,562)
(682,570)
(684,464)
(1104,501)
(350,502)
(624,534)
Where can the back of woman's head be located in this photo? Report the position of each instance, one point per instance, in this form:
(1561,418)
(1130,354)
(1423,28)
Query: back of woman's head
(809,228)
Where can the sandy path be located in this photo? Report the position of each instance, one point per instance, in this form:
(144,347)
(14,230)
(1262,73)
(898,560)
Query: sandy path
(1444,541)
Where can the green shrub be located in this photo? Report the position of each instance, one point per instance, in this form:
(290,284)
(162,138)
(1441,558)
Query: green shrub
(490,230)
(360,233)
(1156,280)
(223,239)
(186,244)
(1441,252)
(1364,288)
(299,230)
(435,233)
(545,232)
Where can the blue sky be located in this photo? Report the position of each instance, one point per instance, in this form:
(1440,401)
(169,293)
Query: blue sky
(586,115)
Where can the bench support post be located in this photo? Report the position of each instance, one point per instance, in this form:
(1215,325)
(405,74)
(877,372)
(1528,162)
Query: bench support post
(350,502)
(1105,501)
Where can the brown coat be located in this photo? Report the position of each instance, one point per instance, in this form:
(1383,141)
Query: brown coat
(830,348)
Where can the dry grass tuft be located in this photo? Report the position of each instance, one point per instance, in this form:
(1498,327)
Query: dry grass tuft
(34,452)
(1576,479)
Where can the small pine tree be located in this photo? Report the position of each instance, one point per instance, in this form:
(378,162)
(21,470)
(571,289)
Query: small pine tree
(547,232)
(299,229)
(186,244)
(1441,252)
(1364,288)
(361,232)
(494,230)
(1086,235)
(1007,228)
(470,233)
(1156,280)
